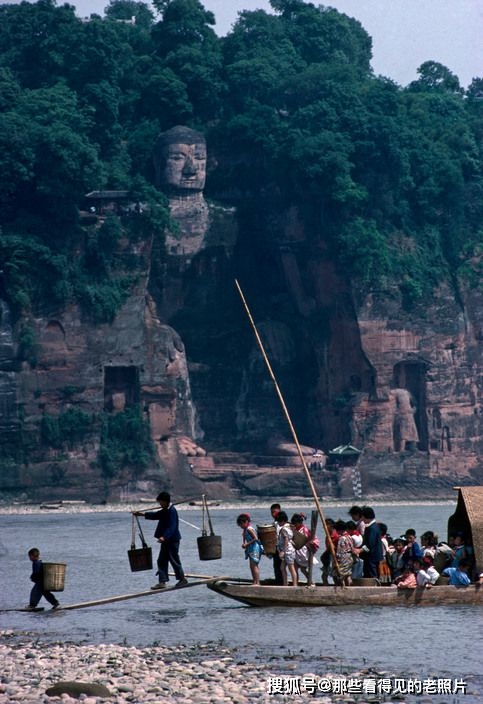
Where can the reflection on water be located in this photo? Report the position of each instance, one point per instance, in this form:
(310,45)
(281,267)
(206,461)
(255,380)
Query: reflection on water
(413,640)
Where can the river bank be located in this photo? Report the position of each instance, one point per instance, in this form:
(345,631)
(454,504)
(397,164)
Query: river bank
(208,673)
(204,674)
(192,675)
(295,502)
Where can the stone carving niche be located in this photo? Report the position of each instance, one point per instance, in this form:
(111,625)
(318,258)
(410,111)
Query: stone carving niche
(121,388)
(410,431)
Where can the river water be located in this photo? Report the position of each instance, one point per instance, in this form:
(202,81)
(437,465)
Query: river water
(442,641)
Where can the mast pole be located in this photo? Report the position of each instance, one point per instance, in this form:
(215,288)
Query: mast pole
(292,429)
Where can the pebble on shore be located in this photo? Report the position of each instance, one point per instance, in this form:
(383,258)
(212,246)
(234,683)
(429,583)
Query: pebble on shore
(204,674)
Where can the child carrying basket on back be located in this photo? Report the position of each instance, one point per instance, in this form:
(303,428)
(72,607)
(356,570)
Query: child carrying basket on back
(37,577)
(305,548)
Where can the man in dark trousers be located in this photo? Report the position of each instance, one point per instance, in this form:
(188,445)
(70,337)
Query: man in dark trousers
(168,535)
(37,578)
(371,551)
(277,563)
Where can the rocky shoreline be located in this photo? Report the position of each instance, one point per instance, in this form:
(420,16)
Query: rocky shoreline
(209,673)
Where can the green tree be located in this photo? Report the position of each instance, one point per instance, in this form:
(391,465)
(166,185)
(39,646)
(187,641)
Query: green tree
(35,40)
(63,162)
(125,443)
(127,9)
(365,253)
(433,76)
(188,45)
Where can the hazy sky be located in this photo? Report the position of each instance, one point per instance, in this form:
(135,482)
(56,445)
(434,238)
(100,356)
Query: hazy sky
(405,33)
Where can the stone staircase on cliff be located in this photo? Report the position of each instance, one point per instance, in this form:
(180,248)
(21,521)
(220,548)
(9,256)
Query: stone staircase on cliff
(243,472)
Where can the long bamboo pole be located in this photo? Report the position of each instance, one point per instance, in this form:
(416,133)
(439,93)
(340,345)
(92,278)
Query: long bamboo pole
(157,508)
(294,434)
(135,595)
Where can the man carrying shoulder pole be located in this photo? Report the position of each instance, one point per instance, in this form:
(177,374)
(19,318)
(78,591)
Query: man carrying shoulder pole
(168,535)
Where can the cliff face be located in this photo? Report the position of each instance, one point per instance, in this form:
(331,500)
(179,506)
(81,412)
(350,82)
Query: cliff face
(100,371)
(403,388)
(425,413)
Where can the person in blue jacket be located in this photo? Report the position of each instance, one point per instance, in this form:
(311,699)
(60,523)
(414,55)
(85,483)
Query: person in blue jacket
(37,577)
(413,550)
(168,535)
(371,550)
(458,576)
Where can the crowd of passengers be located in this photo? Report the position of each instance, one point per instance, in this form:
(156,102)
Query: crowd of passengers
(364,548)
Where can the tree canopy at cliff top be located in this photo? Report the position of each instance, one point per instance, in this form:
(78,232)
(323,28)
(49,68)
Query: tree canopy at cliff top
(389,177)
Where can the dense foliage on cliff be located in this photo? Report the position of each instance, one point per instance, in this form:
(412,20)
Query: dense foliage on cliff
(389,177)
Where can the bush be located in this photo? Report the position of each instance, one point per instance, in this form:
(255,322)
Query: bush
(125,443)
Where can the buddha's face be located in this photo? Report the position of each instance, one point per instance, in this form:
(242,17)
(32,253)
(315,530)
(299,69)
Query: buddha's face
(184,167)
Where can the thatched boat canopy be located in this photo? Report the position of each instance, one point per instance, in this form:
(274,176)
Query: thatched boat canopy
(468,518)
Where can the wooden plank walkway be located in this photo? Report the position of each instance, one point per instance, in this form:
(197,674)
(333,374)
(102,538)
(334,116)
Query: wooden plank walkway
(31,611)
(198,579)
(134,595)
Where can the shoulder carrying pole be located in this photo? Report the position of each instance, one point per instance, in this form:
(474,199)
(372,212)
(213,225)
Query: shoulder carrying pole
(294,434)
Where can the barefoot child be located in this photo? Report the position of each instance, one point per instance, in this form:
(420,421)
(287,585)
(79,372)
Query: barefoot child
(251,545)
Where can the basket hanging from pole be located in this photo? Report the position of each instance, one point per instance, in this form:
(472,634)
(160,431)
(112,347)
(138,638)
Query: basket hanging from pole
(209,546)
(139,558)
(54,576)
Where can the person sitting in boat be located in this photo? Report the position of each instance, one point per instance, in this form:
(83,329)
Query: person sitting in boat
(423,577)
(429,568)
(443,556)
(371,551)
(413,550)
(407,580)
(251,545)
(429,542)
(344,553)
(458,576)
(304,553)
(460,549)
(395,558)
(286,549)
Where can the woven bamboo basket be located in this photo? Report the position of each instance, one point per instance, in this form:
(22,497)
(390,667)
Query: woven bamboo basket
(299,539)
(140,559)
(54,576)
(267,535)
(209,547)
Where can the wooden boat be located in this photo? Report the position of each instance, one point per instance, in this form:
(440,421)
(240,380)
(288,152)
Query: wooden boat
(468,517)
(269,595)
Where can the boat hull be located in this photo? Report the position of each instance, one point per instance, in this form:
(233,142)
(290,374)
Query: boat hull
(267,595)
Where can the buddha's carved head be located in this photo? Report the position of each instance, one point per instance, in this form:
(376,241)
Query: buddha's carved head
(180,160)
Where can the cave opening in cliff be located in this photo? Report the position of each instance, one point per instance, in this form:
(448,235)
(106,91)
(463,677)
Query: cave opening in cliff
(121,387)
(410,377)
